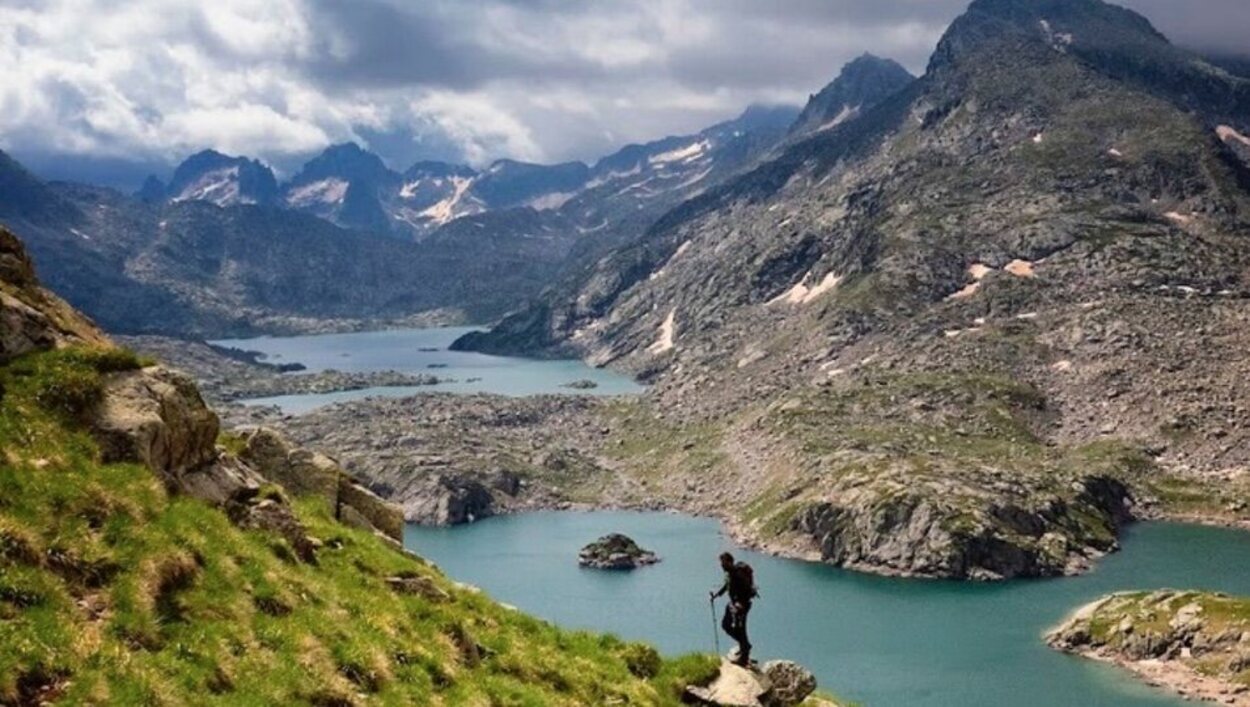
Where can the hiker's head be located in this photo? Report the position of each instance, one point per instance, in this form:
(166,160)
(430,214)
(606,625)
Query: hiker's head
(726,560)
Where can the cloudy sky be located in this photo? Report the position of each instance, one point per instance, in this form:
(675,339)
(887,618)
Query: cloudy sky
(145,82)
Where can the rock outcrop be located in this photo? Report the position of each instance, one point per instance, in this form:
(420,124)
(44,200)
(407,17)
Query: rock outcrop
(300,471)
(361,507)
(791,682)
(156,416)
(304,472)
(615,552)
(449,499)
(1194,643)
(779,683)
(31,318)
(949,529)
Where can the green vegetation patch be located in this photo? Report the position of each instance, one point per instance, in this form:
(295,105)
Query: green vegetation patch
(112,591)
(927,416)
(654,448)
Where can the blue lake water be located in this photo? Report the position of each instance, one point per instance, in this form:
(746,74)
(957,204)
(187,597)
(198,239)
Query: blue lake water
(879,641)
(408,351)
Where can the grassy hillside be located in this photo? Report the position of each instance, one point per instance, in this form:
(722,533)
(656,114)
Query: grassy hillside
(113,591)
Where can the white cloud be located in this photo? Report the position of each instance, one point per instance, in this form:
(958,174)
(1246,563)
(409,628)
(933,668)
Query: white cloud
(539,80)
(483,129)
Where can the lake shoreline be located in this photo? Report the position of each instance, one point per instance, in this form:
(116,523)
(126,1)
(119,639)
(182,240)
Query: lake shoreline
(736,532)
(882,640)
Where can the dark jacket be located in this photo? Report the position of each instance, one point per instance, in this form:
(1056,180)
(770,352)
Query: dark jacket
(740,584)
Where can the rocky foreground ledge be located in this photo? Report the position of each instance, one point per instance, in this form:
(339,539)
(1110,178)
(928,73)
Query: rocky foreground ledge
(1194,643)
(777,683)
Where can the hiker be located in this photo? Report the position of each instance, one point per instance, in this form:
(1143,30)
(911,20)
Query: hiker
(740,584)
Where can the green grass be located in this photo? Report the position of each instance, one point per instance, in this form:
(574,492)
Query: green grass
(112,591)
(945,417)
(653,448)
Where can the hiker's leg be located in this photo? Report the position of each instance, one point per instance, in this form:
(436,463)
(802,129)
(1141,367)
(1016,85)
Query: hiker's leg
(735,625)
(746,642)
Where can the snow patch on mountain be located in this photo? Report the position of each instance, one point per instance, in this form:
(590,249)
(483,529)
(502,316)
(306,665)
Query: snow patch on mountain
(548,202)
(447,209)
(846,114)
(801,293)
(325,191)
(219,186)
(611,176)
(667,335)
(1228,134)
(681,154)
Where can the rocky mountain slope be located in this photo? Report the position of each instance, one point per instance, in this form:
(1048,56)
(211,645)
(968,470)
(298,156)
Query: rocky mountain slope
(608,257)
(145,559)
(1194,643)
(967,332)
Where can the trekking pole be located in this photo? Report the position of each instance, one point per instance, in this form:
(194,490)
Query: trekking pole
(715,633)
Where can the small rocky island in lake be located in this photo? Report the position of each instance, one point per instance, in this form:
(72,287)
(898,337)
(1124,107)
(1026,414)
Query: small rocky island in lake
(615,552)
(584,384)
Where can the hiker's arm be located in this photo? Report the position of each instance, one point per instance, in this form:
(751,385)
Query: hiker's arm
(724,588)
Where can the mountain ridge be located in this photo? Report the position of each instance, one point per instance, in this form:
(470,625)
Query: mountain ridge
(352,187)
(839,321)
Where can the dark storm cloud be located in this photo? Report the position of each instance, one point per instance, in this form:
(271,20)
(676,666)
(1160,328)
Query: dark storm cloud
(375,43)
(755,43)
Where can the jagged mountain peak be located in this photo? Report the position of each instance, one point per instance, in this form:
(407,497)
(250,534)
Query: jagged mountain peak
(869,63)
(346,160)
(862,83)
(208,158)
(212,176)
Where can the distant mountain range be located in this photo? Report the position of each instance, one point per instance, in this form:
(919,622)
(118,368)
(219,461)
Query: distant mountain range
(224,248)
(354,188)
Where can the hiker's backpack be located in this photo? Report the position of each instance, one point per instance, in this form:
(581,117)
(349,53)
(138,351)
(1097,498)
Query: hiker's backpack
(749,575)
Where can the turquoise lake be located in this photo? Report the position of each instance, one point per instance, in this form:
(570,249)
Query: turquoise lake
(423,351)
(879,641)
